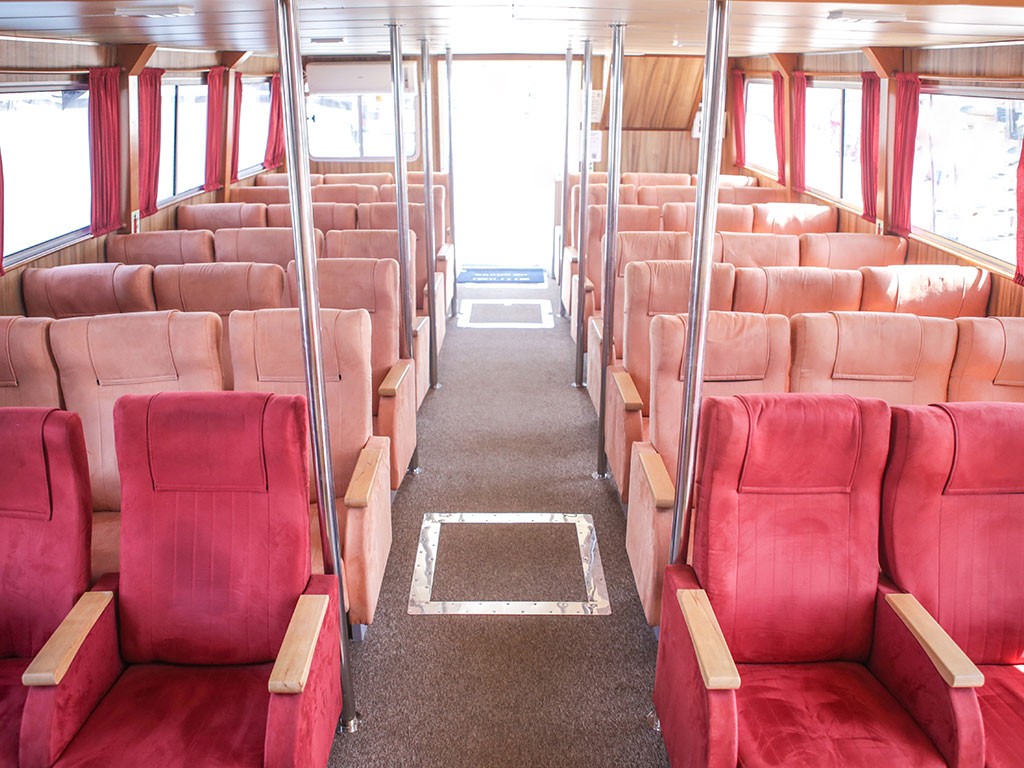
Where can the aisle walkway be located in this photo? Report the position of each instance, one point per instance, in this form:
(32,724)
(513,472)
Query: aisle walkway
(506,433)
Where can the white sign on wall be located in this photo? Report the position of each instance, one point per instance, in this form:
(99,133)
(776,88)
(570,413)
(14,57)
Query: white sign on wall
(595,146)
(596,104)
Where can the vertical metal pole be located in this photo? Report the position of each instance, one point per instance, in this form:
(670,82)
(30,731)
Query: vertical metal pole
(566,190)
(451,181)
(426,81)
(297,153)
(708,169)
(402,193)
(611,235)
(581,229)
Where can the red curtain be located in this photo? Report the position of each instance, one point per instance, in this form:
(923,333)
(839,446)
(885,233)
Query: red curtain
(908,91)
(1017,278)
(275,136)
(799,129)
(779,103)
(236,126)
(1,214)
(215,129)
(105,148)
(870,105)
(739,117)
(149,139)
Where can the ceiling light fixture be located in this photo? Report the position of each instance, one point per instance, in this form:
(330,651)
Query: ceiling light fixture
(326,40)
(876,17)
(156,11)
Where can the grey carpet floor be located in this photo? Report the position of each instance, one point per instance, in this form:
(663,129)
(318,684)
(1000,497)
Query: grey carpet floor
(505,433)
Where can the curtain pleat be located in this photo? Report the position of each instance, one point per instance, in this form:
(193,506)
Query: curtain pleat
(870,107)
(149,139)
(908,91)
(105,148)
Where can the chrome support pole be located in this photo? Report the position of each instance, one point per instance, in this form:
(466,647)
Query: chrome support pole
(426,83)
(297,153)
(566,190)
(451,183)
(581,229)
(709,165)
(402,196)
(611,236)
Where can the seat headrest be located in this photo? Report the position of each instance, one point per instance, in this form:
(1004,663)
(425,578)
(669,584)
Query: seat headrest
(277,335)
(24,478)
(8,377)
(1011,368)
(738,348)
(986,455)
(802,443)
(861,337)
(131,349)
(195,443)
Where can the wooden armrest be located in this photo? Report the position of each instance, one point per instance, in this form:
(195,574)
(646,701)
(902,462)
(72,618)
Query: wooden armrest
(950,661)
(52,662)
(419,323)
(360,487)
(445,252)
(712,652)
(573,251)
(629,393)
(291,669)
(662,489)
(389,387)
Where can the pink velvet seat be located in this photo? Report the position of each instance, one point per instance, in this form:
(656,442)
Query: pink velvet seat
(28,373)
(792,290)
(744,354)
(445,259)
(952,535)
(269,245)
(176,246)
(268,358)
(327,217)
(102,358)
(597,194)
(197,619)
(376,179)
(81,290)
(748,195)
(658,179)
(440,180)
(989,360)
(346,193)
(794,218)
(665,194)
(680,217)
(785,554)
(933,290)
(743,249)
(851,250)
(44,545)
(214,216)
(281,179)
(902,359)
(261,194)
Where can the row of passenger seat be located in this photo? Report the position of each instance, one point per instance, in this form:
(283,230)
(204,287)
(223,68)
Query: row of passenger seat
(902,359)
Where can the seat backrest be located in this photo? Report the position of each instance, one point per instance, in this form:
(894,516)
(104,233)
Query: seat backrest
(281,179)
(734,180)
(748,195)
(327,217)
(440,180)
(267,354)
(385,216)
(176,246)
(81,290)
(660,288)
(933,290)
(370,284)
(786,523)
(679,217)
(902,359)
(270,245)
(220,288)
(376,179)
(792,290)
(989,360)
(597,194)
(744,354)
(951,530)
(643,246)
(388,194)
(214,216)
(265,195)
(368,244)
(594,177)
(743,249)
(28,374)
(102,358)
(632,218)
(794,218)
(215,525)
(660,195)
(346,193)
(45,519)
(659,179)
(851,250)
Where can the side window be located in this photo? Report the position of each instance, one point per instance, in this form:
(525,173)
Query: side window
(182,139)
(253,125)
(44,138)
(760,126)
(832,149)
(359,126)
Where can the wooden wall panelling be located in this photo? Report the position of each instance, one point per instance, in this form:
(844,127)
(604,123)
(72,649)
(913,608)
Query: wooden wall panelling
(846,63)
(660,92)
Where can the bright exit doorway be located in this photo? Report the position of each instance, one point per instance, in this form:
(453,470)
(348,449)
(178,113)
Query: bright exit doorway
(509,129)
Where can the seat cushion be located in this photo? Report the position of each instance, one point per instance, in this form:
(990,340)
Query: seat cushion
(12,701)
(820,715)
(167,715)
(1002,710)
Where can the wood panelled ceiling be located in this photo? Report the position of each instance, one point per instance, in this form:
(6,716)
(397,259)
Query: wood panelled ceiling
(488,26)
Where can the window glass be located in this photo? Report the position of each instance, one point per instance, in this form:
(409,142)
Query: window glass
(832,148)
(44,138)
(182,139)
(759,126)
(353,127)
(965,167)
(253,124)
(853,98)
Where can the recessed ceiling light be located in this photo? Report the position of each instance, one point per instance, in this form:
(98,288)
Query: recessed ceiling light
(858,14)
(327,40)
(156,11)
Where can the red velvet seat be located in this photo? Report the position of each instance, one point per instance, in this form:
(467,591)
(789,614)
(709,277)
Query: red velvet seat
(785,556)
(952,534)
(176,664)
(44,544)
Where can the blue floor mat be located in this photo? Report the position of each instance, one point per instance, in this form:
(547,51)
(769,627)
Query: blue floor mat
(501,276)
